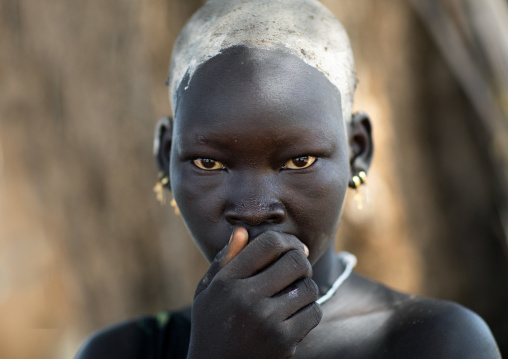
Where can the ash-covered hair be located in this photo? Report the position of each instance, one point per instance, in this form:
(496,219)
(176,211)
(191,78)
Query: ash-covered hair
(304,28)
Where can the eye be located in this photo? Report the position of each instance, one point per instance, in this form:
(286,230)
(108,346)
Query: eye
(208,164)
(299,163)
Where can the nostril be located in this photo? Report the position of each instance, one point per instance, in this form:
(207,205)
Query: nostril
(233,219)
(256,215)
(277,214)
(275,218)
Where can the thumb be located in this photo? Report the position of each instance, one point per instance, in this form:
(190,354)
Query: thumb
(237,242)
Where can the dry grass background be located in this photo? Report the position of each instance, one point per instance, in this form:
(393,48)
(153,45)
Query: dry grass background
(83,243)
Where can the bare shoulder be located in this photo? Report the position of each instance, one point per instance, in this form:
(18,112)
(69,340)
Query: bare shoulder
(143,337)
(370,320)
(121,340)
(429,328)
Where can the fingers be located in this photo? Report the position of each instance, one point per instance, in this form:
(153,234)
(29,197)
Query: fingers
(295,297)
(245,260)
(289,268)
(263,290)
(262,251)
(215,267)
(303,321)
(238,241)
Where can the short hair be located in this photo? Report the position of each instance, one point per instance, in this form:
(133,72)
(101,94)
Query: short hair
(304,28)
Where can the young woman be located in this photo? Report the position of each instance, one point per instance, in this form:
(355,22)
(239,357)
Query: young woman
(259,156)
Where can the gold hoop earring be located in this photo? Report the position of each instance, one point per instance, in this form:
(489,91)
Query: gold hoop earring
(361,195)
(175,206)
(159,188)
(363,176)
(357,181)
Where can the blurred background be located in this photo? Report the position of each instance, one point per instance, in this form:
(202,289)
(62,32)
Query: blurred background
(83,242)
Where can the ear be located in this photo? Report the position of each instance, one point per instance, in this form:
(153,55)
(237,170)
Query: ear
(162,145)
(360,144)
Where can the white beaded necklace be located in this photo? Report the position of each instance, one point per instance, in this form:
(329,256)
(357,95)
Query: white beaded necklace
(349,261)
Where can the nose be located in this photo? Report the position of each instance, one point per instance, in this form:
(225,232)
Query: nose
(254,212)
(255,202)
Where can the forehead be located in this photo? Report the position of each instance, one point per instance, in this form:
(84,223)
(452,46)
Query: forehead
(251,87)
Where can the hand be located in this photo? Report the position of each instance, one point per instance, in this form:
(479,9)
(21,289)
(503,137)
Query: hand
(256,300)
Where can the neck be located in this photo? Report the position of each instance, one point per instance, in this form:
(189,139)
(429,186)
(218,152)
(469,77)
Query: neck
(326,270)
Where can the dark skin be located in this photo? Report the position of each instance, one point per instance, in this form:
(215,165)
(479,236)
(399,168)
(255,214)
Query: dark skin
(260,161)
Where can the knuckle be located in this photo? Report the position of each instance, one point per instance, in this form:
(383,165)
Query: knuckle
(287,337)
(315,314)
(272,241)
(290,340)
(310,288)
(205,281)
(299,263)
(278,242)
(265,313)
(221,283)
(309,318)
(289,352)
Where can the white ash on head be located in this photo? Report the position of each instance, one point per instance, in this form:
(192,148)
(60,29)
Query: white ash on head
(304,28)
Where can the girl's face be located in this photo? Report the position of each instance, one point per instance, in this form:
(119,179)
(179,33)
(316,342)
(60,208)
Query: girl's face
(259,142)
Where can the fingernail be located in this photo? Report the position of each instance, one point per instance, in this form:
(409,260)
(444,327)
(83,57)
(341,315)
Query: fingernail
(232,235)
(306,250)
(242,232)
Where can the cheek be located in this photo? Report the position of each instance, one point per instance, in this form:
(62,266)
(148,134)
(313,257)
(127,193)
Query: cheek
(201,206)
(192,191)
(322,194)
(317,206)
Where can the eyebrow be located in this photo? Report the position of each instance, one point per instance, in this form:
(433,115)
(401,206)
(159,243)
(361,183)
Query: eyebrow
(311,143)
